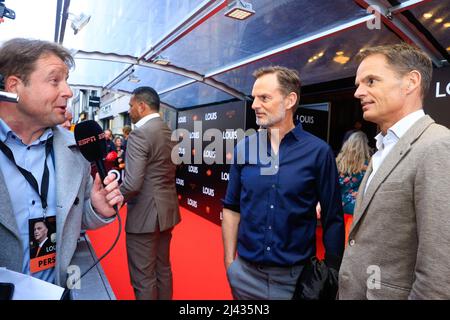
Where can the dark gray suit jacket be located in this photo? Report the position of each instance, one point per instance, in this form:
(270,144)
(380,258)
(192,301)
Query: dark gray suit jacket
(149,182)
(400,237)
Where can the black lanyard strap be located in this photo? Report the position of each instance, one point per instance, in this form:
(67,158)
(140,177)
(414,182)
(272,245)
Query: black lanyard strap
(29,176)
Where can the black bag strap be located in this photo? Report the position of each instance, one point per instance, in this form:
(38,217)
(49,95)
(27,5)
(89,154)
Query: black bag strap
(29,176)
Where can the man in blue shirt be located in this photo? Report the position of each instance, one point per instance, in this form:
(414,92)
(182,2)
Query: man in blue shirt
(43,176)
(269,216)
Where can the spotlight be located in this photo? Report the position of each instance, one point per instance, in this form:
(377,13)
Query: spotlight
(240,10)
(133,78)
(341,59)
(78,21)
(161,60)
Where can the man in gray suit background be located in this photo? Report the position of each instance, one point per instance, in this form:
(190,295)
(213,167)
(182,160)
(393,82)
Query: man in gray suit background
(150,191)
(399,239)
(42,173)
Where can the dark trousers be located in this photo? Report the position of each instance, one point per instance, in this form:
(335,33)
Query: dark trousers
(149,264)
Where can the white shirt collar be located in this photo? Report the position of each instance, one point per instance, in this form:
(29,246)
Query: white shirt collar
(147,118)
(379,138)
(42,243)
(407,122)
(399,129)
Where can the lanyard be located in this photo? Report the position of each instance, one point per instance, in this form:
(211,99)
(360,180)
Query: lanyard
(29,176)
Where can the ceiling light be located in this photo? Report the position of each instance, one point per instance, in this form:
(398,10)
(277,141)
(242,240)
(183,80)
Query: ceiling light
(78,21)
(341,59)
(133,78)
(339,53)
(447,25)
(427,15)
(448,48)
(239,9)
(439,20)
(161,60)
(316,57)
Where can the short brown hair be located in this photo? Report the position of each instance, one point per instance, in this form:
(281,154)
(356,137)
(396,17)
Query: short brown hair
(404,58)
(18,56)
(288,79)
(126,130)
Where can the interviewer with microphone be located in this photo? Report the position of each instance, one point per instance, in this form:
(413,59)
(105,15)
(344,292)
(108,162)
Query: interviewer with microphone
(43,175)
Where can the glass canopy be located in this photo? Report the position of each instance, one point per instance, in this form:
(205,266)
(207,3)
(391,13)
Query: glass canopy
(325,60)
(126,27)
(222,41)
(210,56)
(95,71)
(194,94)
(27,24)
(157,79)
(435,17)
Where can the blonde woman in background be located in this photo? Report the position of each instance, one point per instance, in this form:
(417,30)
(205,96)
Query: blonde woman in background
(352,164)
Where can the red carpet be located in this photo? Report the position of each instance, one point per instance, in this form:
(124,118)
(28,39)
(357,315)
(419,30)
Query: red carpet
(196,255)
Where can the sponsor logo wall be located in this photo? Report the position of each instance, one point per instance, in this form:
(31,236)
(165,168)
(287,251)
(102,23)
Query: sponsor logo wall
(314,119)
(437,102)
(201,187)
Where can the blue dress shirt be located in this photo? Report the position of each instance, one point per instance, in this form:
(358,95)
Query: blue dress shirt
(25,202)
(277,212)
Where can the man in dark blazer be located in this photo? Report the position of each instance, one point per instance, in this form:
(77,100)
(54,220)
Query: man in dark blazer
(399,239)
(43,244)
(149,189)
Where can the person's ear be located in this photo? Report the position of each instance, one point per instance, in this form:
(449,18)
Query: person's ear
(12,83)
(414,79)
(291,100)
(141,107)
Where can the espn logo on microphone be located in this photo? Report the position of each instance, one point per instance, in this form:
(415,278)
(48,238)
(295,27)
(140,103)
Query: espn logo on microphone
(88,140)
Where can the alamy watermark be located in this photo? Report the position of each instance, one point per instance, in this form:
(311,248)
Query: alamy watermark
(374,279)
(375,23)
(73,279)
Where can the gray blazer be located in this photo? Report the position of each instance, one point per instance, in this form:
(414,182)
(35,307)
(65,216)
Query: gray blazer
(149,182)
(73,181)
(401,225)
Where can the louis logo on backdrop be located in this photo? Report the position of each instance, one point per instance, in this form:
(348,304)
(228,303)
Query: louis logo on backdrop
(442,91)
(222,143)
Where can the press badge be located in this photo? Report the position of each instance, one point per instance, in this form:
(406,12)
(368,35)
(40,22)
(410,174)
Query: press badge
(42,233)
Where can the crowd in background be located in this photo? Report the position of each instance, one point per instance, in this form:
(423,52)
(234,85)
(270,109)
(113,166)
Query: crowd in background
(116,147)
(399,194)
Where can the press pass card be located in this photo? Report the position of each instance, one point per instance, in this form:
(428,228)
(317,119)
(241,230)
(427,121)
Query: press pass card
(42,233)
